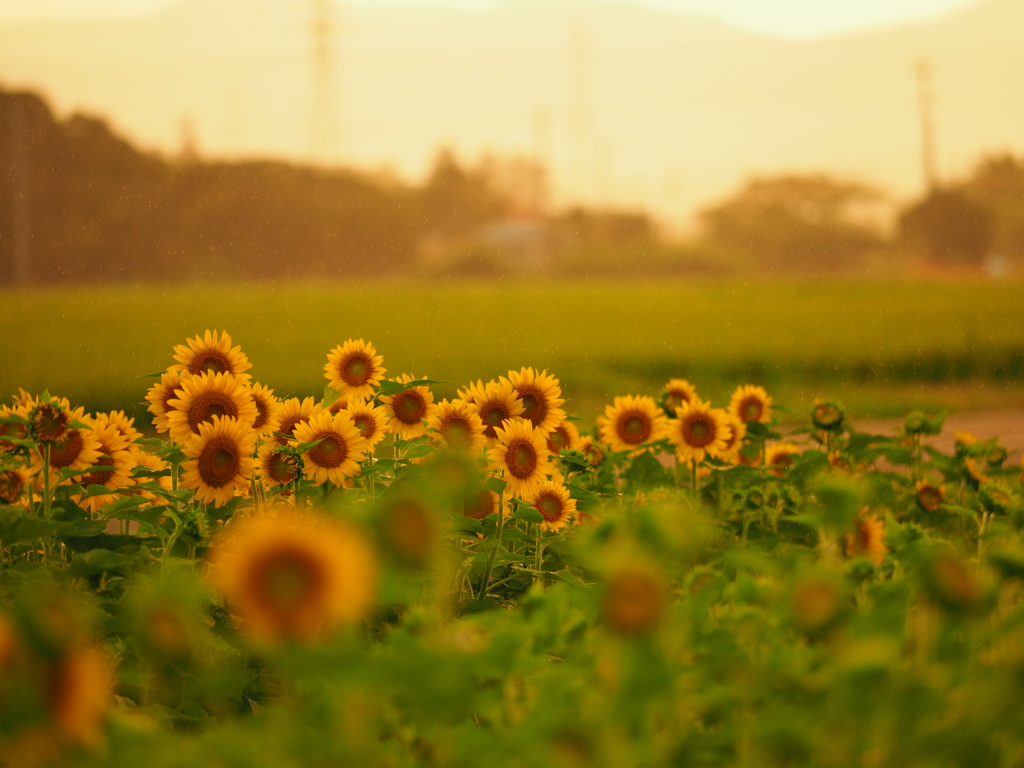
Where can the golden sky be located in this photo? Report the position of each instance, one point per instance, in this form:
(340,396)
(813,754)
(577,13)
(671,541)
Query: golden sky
(785,17)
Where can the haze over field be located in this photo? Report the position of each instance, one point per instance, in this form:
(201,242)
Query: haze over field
(628,104)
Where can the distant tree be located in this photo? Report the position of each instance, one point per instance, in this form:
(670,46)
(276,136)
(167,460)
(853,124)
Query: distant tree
(795,223)
(949,227)
(457,199)
(998,184)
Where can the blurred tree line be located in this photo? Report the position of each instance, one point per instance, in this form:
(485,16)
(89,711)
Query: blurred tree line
(79,203)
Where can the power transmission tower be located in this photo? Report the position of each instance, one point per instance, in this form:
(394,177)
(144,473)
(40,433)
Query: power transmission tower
(926,104)
(323,120)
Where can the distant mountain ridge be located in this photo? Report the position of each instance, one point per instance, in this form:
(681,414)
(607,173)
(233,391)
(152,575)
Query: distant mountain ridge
(679,109)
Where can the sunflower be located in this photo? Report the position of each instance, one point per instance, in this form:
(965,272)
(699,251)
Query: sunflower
(80,689)
(564,437)
(408,409)
(371,421)
(592,449)
(457,425)
(151,461)
(49,421)
(160,395)
(354,369)
(697,430)
(12,484)
(483,504)
(838,462)
(472,392)
(737,431)
(340,403)
(77,449)
(827,416)
(635,599)
(268,407)
(205,396)
(496,403)
(521,456)
(929,497)
(275,466)
(220,459)
(676,393)
(13,430)
(120,422)
(113,468)
(552,500)
(751,403)
(211,353)
(779,457)
(293,413)
(867,538)
(293,577)
(341,449)
(541,396)
(630,422)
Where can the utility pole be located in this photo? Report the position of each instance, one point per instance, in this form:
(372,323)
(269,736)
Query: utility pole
(21,195)
(926,104)
(323,128)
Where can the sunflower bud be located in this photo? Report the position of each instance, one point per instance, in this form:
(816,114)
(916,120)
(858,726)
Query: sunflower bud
(929,497)
(827,417)
(49,422)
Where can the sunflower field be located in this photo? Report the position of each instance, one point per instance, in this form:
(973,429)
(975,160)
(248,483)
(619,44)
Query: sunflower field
(381,577)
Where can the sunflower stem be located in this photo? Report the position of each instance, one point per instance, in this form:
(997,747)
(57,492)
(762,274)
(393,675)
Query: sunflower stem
(485,585)
(696,491)
(46,480)
(719,495)
(538,556)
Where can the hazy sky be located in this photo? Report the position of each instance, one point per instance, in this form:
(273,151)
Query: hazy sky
(787,17)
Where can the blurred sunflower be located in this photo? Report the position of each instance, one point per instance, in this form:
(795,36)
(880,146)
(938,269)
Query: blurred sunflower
(354,370)
(483,504)
(630,422)
(697,430)
(293,413)
(371,421)
(204,397)
(737,431)
(634,601)
(219,459)
(552,500)
(592,449)
(675,394)
(409,409)
(779,457)
(80,689)
(112,469)
(564,437)
(293,577)
(341,447)
(521,456)
(929,497)
(76,449)
(496,403)
(160,396)
(12,484)
(275,466)
(268,408)
(541,396)
(211,353)
(867,539)
(13,430)
(827,416)
(751,403)
(457,425)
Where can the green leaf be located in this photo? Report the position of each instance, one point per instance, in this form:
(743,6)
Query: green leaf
(303,447)
(330,397)
(151,441)
(98,561)
(396,388)
(17,526)
(529,514)
(156,375)
(495,484)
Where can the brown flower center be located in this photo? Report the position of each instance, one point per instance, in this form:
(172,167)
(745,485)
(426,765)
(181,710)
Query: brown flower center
(558,440)
(100,476)
(170,393)
(207,405)
(288,425)
(633,428)
(356,370)
(367,427)
(457,432)
(331,452)
(286,580)
(493,414)
(698,431)
(261,413)
(65,452)
(535,405)
(210,361)
(219,462)
(483,504)
(10,486)
(521,459)
(751,408)
(675,399)
(409,407)
(549,506)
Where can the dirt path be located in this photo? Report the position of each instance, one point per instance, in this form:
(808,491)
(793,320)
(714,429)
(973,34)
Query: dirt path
(1006,424)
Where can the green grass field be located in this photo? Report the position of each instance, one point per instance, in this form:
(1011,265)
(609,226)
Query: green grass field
(881,348)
